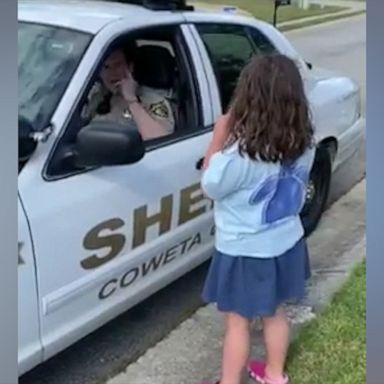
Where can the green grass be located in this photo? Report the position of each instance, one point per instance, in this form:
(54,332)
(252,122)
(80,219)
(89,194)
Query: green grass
(331,349)
(263,9)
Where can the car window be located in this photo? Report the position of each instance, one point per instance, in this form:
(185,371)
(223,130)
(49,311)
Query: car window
(156,90)
(262,44)
(47,59)
(148,95)
(229,49)
(167,92)
(165,44)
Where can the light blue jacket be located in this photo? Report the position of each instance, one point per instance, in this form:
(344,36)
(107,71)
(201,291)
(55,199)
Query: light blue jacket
(257,204)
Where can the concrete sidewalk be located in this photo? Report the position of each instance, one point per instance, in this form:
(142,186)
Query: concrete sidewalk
(192,352)
(352,4)
(353,7)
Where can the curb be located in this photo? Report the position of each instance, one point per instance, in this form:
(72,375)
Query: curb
(192,351)
(307,23)
(332,280)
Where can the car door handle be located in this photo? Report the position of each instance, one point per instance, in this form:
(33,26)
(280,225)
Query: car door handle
(199,164)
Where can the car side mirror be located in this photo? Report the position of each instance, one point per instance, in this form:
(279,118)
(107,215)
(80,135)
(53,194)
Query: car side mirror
(105,143)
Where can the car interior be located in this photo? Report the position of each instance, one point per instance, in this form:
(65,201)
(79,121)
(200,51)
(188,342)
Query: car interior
(162,75)
(156,65)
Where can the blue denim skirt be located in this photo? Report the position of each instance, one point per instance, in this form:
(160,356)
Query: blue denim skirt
(257,287)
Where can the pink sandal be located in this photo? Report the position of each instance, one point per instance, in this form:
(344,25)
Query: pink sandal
(256,370)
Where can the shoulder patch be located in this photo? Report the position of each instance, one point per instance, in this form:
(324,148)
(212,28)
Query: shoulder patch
(160,109)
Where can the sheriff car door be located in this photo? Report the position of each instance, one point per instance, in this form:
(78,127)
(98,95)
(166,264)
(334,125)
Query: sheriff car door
(107,238)
(29,345)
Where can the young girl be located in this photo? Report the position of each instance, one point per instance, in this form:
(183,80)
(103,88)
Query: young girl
(256,171)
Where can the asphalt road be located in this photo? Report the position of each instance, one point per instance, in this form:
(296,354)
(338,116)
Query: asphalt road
(339,46)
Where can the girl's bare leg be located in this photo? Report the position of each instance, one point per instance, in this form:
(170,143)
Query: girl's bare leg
(236,349)
(276,338)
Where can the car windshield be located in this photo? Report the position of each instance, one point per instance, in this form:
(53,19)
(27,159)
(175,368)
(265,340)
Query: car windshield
(47,59)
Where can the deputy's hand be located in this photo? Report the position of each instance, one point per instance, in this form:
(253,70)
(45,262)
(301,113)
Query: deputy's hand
(128,87)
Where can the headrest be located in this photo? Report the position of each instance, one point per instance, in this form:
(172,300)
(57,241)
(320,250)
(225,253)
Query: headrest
(154,67)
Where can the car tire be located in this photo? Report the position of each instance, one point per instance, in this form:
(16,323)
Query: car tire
(318,190)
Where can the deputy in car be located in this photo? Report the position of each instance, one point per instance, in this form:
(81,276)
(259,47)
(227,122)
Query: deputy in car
(125,99)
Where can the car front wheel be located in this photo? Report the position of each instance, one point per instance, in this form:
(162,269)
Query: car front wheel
(317,191)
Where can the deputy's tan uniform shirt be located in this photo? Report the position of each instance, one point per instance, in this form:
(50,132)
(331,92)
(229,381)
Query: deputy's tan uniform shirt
(154,101)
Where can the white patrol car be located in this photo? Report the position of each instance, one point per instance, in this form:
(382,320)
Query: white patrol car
(105,220)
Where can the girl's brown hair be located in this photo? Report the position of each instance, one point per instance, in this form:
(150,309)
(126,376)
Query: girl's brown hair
(269,115)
